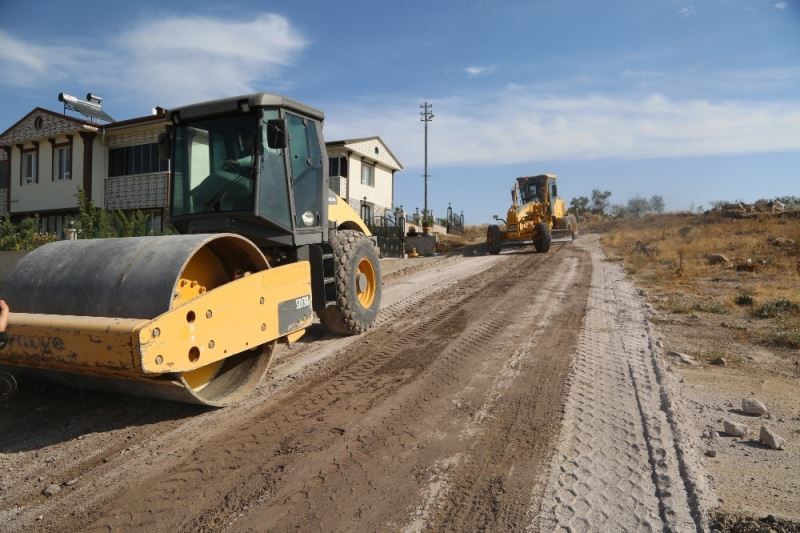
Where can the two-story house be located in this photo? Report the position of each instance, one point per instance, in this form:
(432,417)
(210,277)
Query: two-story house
(45,157)
(362,172)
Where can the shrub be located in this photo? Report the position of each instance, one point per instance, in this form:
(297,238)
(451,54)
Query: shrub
(744,299)
(775,308)
(787,338)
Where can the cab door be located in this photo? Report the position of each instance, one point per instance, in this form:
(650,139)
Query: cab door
(306,163)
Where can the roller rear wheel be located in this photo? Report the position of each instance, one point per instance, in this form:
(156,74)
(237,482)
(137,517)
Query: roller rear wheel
(358,285)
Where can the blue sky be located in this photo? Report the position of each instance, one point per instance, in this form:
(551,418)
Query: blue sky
(694,100)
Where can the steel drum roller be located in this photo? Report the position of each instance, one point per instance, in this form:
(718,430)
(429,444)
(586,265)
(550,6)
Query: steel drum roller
(141,278)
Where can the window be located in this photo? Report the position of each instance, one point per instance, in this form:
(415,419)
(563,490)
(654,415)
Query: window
(367,175)
(306,164)
(5,169)
(28,167)
(140,159)
(62,163)
(273,191)
(338,166)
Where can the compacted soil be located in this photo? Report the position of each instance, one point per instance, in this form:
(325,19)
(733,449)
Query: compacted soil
(445,416)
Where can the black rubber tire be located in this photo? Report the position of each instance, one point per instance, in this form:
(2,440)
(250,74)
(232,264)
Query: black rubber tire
(542,238)
(494,239)
(349,316)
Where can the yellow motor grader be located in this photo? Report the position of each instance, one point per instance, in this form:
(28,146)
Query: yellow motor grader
(194,317)
(536,214)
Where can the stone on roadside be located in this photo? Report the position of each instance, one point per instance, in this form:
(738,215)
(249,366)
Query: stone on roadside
(685,358)
(51,489)
(751,406)
(771,439)
(719,361)
(717,259)
(734,428)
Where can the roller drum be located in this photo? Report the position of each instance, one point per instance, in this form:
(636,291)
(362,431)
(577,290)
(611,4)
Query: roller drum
(141,278)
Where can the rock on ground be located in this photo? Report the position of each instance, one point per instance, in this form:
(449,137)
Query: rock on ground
(717,259)
(751,406)
(771,439)
(51,489)
(734,428)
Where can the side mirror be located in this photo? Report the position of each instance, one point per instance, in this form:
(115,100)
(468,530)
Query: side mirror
(495,217)
(276,133)
(164,146)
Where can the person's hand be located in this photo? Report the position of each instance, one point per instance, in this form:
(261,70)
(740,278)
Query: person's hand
(3,315)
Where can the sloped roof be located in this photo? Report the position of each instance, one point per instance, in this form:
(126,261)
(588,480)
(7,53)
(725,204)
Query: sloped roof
(348,143)
(60,123)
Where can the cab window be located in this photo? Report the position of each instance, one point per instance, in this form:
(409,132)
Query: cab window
(306,160)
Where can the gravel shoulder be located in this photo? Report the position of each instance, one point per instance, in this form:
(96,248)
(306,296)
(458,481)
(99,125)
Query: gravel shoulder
(624,460)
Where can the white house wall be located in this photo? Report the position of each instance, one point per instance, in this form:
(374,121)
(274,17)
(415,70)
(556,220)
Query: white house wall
(48,194)
(380,194)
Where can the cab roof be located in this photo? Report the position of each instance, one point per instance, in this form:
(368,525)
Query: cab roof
(241,103)
(538,179)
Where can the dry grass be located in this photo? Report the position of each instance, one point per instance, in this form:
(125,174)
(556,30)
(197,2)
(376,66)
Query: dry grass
(760,282)
(472,235)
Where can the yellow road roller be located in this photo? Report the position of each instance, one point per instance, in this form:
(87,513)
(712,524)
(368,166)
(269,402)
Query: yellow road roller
(263,245)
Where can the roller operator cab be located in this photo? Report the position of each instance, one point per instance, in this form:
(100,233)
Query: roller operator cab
(536,214)
(194,317)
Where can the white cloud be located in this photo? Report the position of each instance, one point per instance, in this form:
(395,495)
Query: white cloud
(687,11)
(25,64)
(475,71)
(520,127)
(167,61)
(780,5)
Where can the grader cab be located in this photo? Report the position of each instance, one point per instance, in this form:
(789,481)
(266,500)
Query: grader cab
(195,317)
(536,214)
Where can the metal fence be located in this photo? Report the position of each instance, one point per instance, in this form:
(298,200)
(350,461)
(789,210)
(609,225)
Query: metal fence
(390,231)
(455,222)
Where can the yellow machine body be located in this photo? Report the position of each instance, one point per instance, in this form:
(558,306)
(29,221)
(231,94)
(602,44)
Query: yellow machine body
(192,318)
(195,317)
(345,216)
(536,214)
(528,209)
(256,309)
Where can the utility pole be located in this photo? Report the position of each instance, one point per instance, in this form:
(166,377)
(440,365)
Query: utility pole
(427,116)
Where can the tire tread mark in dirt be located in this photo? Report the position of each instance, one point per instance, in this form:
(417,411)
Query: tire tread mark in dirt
(492,488)
(296,418)
(399,352)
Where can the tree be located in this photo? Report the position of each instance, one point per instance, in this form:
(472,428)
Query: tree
(617,210)
(637,206)
(657,203)
(600,201)
(578,205)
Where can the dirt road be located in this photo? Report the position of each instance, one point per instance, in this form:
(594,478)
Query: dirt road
(442,417)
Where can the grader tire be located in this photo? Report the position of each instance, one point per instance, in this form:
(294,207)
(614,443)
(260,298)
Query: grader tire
(542,238)
(494,239)
(358,285)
